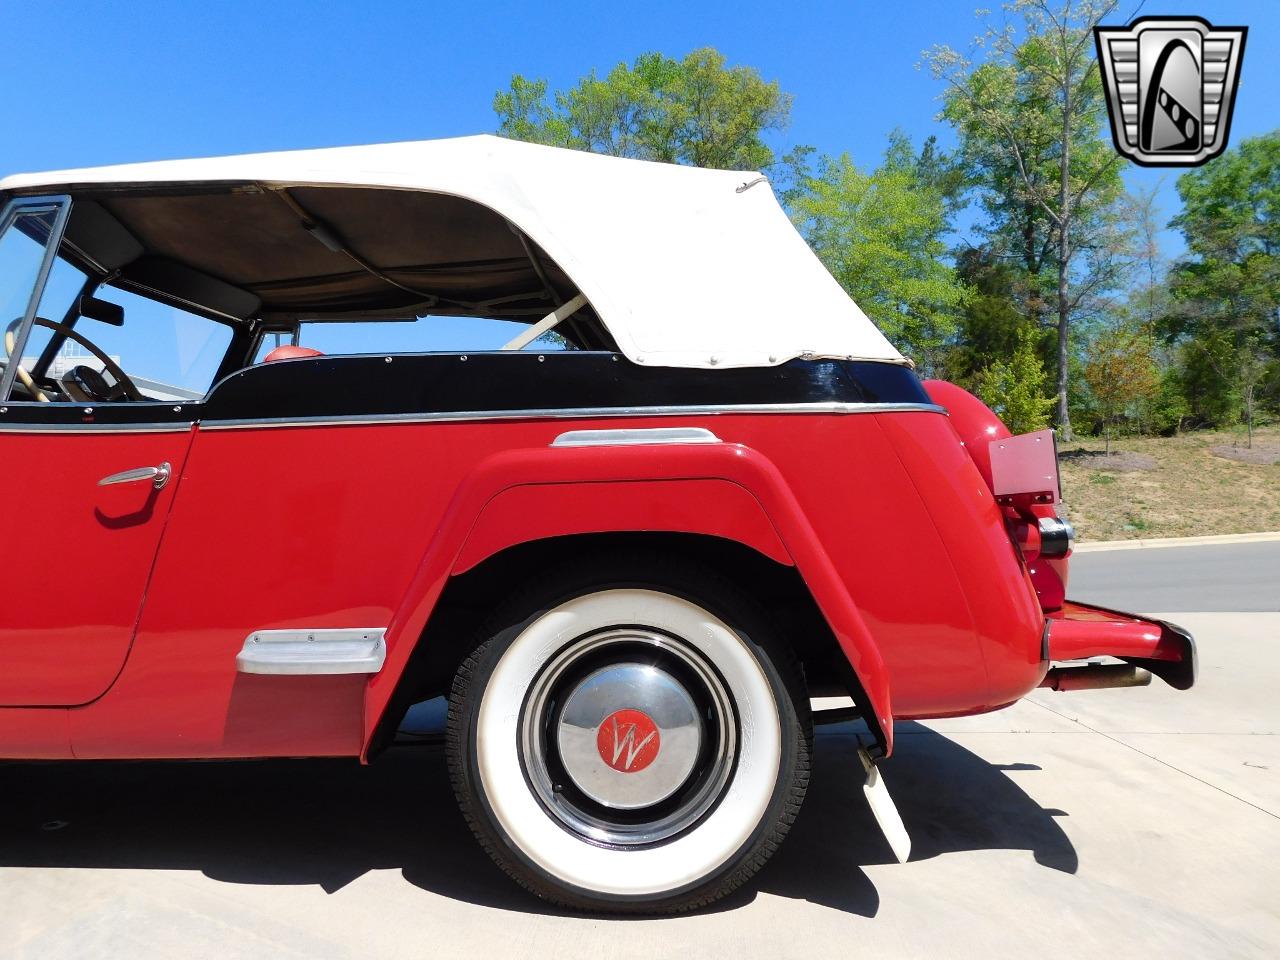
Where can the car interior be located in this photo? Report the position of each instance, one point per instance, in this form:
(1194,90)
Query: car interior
(157,294)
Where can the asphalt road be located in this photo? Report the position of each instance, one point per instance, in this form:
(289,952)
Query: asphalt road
(1242,577)
(1116,823)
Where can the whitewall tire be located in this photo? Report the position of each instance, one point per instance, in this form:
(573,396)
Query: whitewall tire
(615,744)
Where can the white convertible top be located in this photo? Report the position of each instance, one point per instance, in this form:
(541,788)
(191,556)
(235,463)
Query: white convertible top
(686,267)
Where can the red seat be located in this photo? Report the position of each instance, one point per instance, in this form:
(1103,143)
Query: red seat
(289,352)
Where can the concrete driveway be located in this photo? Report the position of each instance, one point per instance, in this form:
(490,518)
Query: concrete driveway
(1127,823)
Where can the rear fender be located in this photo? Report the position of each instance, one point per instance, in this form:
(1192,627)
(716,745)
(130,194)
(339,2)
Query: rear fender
(723,490)
(712,507)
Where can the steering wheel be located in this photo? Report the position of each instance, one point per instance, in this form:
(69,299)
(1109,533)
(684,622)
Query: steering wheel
(124,387)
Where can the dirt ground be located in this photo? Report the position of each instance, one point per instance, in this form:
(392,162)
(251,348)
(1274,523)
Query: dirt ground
(1194,484)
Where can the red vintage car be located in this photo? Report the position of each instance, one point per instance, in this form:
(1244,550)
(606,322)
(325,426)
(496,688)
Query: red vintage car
(593,446)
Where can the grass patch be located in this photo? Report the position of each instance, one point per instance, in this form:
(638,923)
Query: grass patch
(1184,488)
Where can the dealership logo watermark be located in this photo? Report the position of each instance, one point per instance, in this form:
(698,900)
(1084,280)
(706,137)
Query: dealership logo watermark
(1171,86)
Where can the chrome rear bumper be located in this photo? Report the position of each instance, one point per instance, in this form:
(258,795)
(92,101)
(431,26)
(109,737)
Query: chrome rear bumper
(1079,631)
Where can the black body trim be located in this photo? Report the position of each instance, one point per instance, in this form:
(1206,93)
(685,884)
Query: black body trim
(404,385)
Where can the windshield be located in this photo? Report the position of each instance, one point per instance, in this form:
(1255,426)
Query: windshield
(93,341)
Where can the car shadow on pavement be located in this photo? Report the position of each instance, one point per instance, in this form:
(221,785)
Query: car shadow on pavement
(327,822)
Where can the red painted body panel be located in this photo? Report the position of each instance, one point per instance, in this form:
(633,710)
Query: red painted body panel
(546,466)
(34,733)
(1006,619)
(972,421)
(890,525)
(717,508)
(271,528)
(78,557)
(871,521)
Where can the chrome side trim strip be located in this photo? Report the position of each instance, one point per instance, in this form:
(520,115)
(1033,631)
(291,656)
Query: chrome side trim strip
(640,436)
(578,413)
(96,428)
(313,652)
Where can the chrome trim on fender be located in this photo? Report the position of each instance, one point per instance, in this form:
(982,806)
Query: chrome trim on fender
(636,436)
(578,413)
(313,652)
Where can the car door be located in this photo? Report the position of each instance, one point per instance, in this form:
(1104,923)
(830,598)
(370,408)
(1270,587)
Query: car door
(86,508)
(86,489)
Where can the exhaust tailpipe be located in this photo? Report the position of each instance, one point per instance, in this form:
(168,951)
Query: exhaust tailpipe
(1095,676)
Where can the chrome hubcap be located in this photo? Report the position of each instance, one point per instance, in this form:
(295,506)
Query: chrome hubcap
(628,736)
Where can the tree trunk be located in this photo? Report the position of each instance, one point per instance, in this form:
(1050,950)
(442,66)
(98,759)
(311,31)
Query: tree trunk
(1064,266)
(1034,303)
(1064,321)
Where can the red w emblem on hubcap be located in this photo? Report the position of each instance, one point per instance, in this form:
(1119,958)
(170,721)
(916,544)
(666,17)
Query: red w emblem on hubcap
(628,740)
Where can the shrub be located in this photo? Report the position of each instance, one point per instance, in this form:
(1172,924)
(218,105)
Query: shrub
(1015,389)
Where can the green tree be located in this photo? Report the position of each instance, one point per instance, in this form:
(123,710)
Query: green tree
(991,323)
(695,111)
(1224,304)
(1030,116)
(1015,388)
(881,236)
(1121,372)
(1165,411)
(942,173)
(1148,296)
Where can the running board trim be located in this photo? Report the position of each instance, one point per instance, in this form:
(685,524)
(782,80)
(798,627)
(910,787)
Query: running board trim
(313,652)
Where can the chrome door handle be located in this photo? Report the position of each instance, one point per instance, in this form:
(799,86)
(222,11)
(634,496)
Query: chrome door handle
(158,475)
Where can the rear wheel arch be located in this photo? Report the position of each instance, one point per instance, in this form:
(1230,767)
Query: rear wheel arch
(468,598)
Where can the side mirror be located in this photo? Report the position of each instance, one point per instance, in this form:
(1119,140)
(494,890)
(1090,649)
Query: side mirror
(101,310)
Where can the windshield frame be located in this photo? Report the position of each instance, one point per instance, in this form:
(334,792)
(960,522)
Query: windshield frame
(60,206)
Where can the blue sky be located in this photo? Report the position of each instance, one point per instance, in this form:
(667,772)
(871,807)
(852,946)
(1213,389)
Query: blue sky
(92,83)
